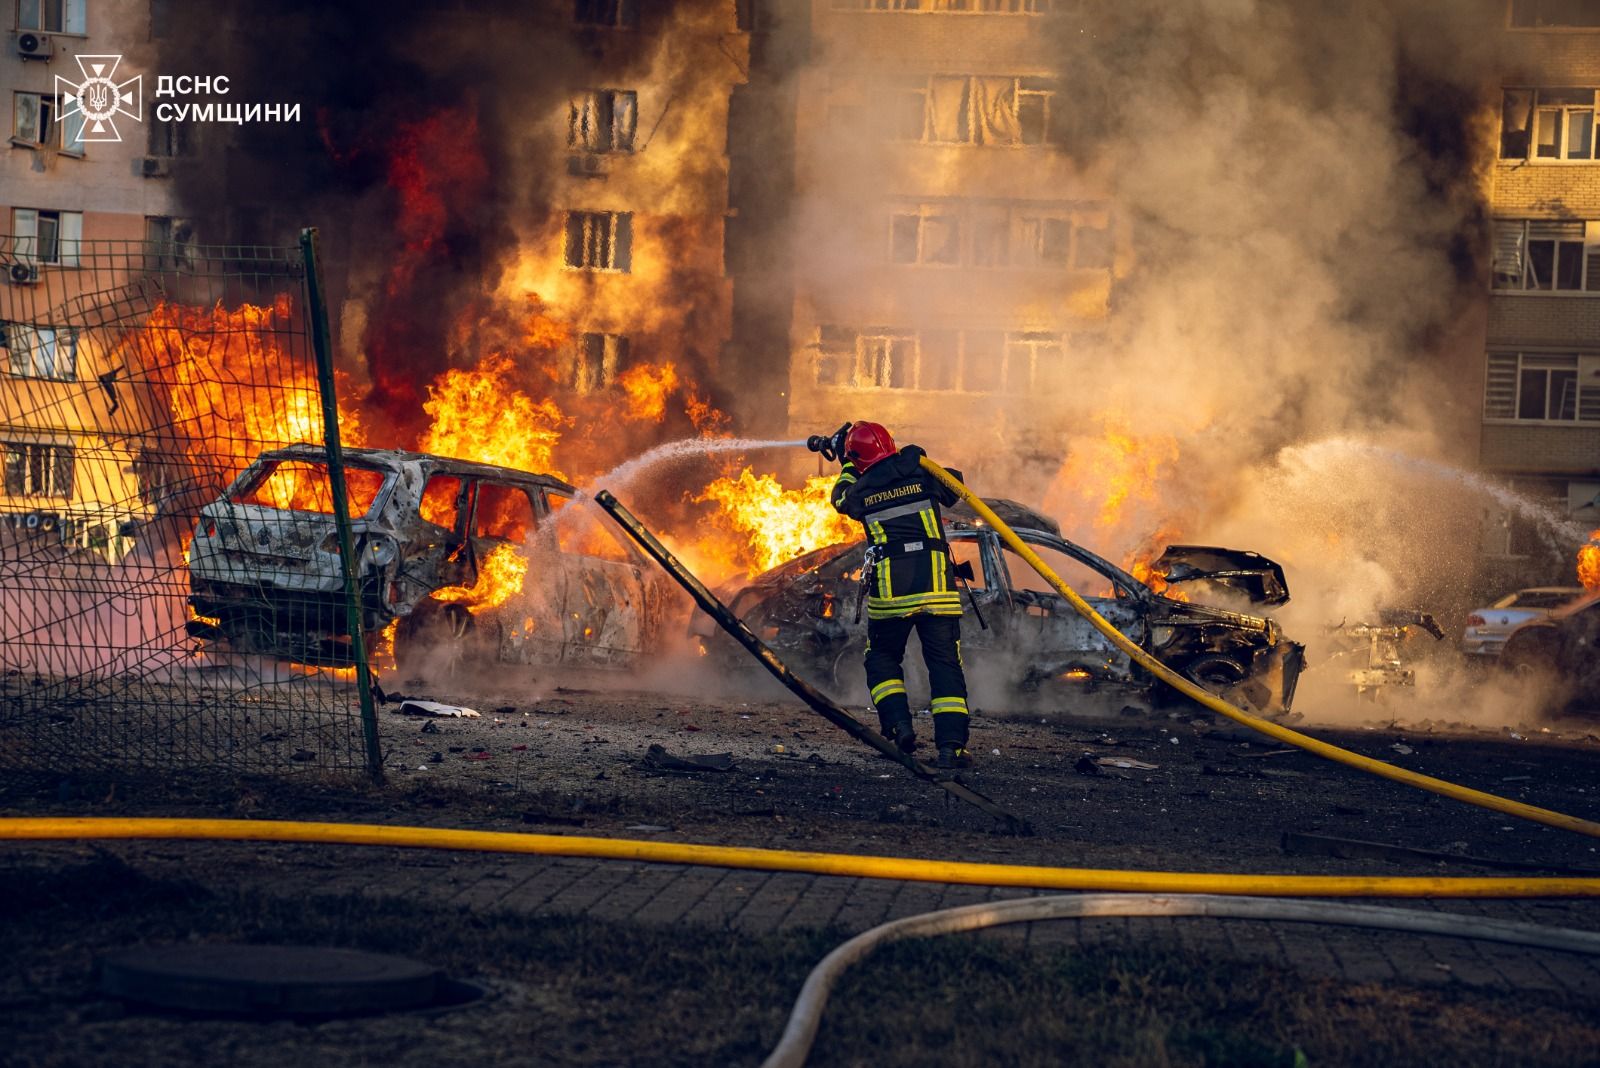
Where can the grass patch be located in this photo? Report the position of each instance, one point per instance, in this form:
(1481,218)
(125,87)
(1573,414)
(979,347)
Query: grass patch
(585,992)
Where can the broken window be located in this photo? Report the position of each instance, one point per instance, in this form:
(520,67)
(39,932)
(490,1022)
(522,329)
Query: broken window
(304,486)
(991,236)
(969,551)
(441,501)
(931,234)
(53,237)
(1030,358)
(1542,387)
(1537,14)
(886,359)
(949,110)
(1044,241)
(36,118)
(35,470)
(41,351)
(169,242)
(596,360)
(503,511)
(579,530)
(53,16)
(1549,255)
(618,13)
(903,115)
(167,138)
(603,120)
(1548,124)
(600,240)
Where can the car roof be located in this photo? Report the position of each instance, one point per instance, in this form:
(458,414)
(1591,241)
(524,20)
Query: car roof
(394,459)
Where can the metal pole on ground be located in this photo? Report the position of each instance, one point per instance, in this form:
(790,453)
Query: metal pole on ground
(322,345)
(802,689)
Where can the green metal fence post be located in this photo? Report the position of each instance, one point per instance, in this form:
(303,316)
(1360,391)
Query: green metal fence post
(322,345)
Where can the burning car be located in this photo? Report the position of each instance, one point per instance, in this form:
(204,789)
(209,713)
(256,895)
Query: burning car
(1558,649)
(463,560)
(806,610)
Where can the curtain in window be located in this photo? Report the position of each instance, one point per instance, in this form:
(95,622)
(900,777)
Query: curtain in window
(997,111)
(947,107)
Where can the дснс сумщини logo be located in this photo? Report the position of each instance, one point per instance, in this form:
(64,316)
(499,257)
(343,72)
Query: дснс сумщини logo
(99,98)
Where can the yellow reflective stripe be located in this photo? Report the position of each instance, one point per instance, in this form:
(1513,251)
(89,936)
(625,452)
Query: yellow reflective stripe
(928,528)
(949,704)
(878,536)
(951,610)
(939,582)
(888,688)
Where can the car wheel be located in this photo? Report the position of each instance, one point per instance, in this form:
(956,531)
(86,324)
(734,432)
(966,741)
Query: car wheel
(445,642)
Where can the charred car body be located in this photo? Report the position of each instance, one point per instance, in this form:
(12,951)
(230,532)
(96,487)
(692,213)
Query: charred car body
(1561,650)
(806,610)
(265,574)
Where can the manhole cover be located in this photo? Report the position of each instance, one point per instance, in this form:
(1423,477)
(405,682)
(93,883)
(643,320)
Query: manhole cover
(280,980)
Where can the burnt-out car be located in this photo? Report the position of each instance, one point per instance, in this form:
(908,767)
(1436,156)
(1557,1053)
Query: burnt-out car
(806,609)
(1561,651)
(265,576)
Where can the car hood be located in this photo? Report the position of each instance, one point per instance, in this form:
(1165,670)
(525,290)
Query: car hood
(1249,573)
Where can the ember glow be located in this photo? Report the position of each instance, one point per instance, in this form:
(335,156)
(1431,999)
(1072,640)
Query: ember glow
(500,577)
(773,524)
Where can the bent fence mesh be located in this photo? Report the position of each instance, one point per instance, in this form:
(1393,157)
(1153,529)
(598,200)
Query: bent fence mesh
(137,381)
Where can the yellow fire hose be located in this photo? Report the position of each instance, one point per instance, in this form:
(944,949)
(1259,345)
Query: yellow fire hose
(1223,708)
(73,828)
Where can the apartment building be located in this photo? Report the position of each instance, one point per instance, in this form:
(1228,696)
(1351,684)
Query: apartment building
(950,261)
(1541,400)
(64,186)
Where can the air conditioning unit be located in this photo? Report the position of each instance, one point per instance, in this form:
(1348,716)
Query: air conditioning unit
(586,165)
(30,44)
(24,274)
(155,167)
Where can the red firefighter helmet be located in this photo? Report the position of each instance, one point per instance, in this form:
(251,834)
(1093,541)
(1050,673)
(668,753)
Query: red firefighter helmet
(866,444)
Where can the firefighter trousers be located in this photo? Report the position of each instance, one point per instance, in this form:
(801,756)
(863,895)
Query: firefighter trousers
(941,652)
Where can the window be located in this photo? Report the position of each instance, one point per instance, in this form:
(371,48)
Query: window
(620,13)
(170,242)
(1536,387)
(52,16)
(600,240)
(1540,255)
(596,360)
(1029,359)
(1548,124)
(1044,241)
(41,351)
(36,120)
(33,470)
(167,138)
(47,236)
(930,234)
(991,236)
(970,110)
(441,501)
(886,359)
(603,120)
(1539,14)
(305,486)
(579,530)
(503,512)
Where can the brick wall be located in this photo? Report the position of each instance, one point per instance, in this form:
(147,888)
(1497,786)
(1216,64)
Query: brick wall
(1545,320)
(1534,449)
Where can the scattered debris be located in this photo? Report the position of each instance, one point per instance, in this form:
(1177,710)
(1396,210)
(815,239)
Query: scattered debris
(1403,750)
(415,707)
(1124,762)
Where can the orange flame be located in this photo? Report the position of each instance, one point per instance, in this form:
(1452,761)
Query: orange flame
(500,577)
(479,414)
(776,524)
(1589,563)
(646,388)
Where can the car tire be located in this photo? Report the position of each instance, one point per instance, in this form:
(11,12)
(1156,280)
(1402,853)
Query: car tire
(445,641)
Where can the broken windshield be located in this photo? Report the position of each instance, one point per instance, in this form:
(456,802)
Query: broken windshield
(303,486)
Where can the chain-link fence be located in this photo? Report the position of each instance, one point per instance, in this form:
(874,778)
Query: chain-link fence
(145,618)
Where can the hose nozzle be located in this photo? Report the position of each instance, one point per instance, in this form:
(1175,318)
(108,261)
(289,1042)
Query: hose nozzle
(831,446)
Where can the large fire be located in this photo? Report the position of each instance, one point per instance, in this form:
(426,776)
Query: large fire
(775,525)
(500,577)
(1589,563)
(480,414)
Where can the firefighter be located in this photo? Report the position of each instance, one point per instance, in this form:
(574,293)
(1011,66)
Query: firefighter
(912,585)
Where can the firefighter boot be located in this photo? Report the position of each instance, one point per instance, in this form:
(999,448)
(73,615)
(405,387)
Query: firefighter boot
(950,736)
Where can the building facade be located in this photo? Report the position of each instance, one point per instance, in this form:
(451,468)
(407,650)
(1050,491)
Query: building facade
(1541,400)
(63,187)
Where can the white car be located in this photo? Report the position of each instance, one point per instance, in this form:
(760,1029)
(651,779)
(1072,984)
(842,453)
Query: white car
(1488,628)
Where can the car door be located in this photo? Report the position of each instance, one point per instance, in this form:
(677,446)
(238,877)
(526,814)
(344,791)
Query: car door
(527,610)
(1053,635)
(607,605)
